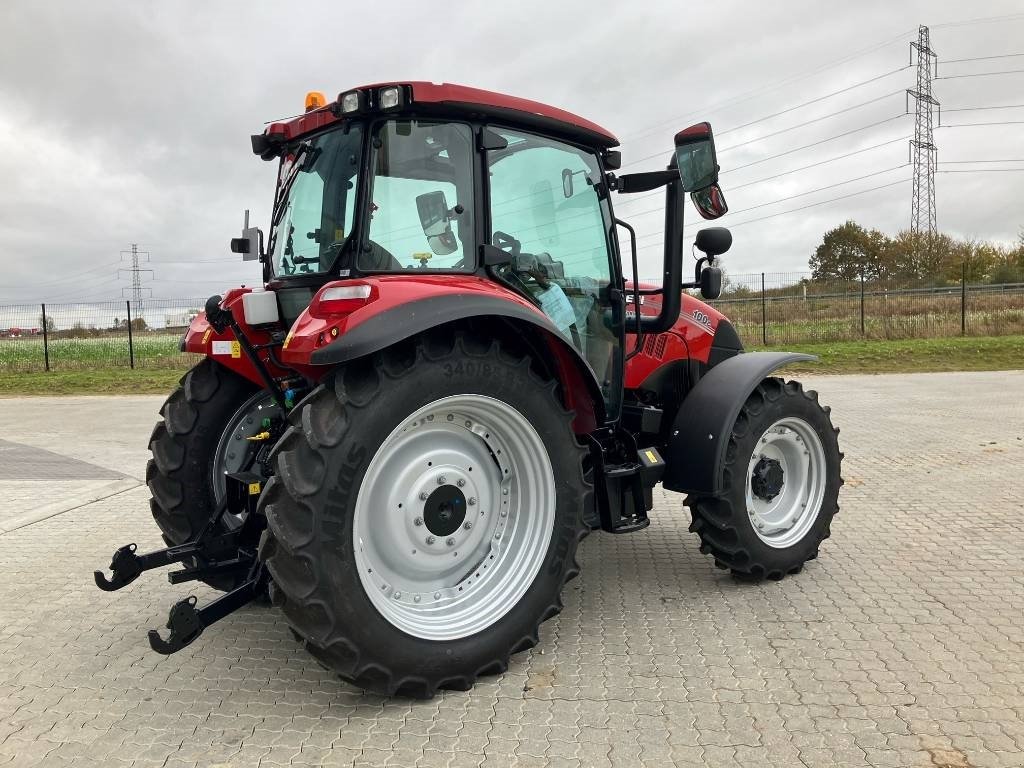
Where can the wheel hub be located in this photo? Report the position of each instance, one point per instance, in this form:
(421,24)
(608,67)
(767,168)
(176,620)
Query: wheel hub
(454,517)
(445,510)
(785,482)
(767,479)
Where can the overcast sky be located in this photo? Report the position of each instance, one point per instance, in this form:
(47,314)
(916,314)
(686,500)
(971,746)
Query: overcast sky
(127,122)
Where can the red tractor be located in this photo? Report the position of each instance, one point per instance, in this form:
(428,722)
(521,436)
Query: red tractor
(447,381)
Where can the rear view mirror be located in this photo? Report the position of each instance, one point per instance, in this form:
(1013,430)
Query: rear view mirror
(436,222)
(566,183)
(711,282)
(695,157)
(709,202)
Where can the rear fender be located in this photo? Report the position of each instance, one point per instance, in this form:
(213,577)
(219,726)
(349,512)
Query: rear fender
(700,434)
(395,322)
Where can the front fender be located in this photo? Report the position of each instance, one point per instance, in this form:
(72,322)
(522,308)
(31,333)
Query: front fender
(700,434)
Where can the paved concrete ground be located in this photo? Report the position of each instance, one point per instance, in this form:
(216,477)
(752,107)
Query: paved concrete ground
(902,645)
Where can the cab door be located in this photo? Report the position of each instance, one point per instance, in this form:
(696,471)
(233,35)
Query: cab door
(547,203)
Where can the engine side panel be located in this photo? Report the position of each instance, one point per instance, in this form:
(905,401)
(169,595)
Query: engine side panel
(691,338)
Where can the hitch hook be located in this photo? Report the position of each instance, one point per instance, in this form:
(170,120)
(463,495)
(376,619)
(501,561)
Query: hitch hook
(185,624)
(125,566)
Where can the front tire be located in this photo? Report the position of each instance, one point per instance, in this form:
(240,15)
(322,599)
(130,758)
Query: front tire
(424,515)
(192,447)
(781,481)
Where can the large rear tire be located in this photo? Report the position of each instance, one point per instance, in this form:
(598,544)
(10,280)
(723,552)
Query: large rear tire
(183,475)
(782,480)
(424,515)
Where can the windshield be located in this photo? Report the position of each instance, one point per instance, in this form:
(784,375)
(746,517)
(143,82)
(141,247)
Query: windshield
(315,207)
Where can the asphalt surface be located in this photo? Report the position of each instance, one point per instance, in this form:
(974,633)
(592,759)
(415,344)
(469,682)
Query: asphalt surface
(901,645)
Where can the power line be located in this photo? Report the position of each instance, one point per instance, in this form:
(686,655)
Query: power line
(777,175)
(820,202)
(979,109)
(805,207)
(981,58)
(784,130)
(818,143)
(982,20)
(799,194)
(983,170)
(981,74)
(808,122)
(968,125)
(815,101)
(1009,160)
(770,88)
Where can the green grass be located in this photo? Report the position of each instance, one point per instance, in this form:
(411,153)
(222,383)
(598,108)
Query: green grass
(152,350)
(104,381)
(973,353)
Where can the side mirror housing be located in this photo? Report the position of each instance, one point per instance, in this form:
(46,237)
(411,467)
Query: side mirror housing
(710,202)
(696,158)
(713,241)
(250,244)
(711,282)
(435,219)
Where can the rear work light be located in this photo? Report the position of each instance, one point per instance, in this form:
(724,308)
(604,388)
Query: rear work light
(342,299)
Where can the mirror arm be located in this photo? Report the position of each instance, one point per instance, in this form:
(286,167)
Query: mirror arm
(645,182)
(672,276)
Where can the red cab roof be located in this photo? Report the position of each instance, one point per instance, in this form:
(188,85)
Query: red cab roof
(470,100)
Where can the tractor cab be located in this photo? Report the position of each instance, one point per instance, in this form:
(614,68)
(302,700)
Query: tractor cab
(403,181)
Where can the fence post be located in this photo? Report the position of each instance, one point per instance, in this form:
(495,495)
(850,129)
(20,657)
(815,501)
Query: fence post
(963,299)
(131,344)
(46,342)
(862,302)
(764,314)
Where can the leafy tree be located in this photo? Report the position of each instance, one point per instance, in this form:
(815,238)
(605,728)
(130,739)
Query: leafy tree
(846,252)
(47,323)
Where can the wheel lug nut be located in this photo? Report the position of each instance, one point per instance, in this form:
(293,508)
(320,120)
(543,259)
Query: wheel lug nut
(461,483)
(450,542)
(469,424)
(423,496)
(430,540)
(416,598)
(504,492)
(418,521)
(472,501)
(450,417)
(442,480)
(397,595)
(504,513)
(467,525)
(497,535)
(437,595)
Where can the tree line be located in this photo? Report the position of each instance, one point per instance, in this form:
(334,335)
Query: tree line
(850,251)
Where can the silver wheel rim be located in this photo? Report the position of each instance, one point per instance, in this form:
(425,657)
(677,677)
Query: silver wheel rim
(441,584)
(785,519)
(234,447)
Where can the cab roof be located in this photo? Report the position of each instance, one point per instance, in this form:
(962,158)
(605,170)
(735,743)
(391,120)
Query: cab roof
(451,100)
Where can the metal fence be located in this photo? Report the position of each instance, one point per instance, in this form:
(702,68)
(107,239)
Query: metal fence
(766,308)
(787,308)
(117,334)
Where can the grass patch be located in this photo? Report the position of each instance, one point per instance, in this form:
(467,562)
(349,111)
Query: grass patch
(109,381)
(971,353)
